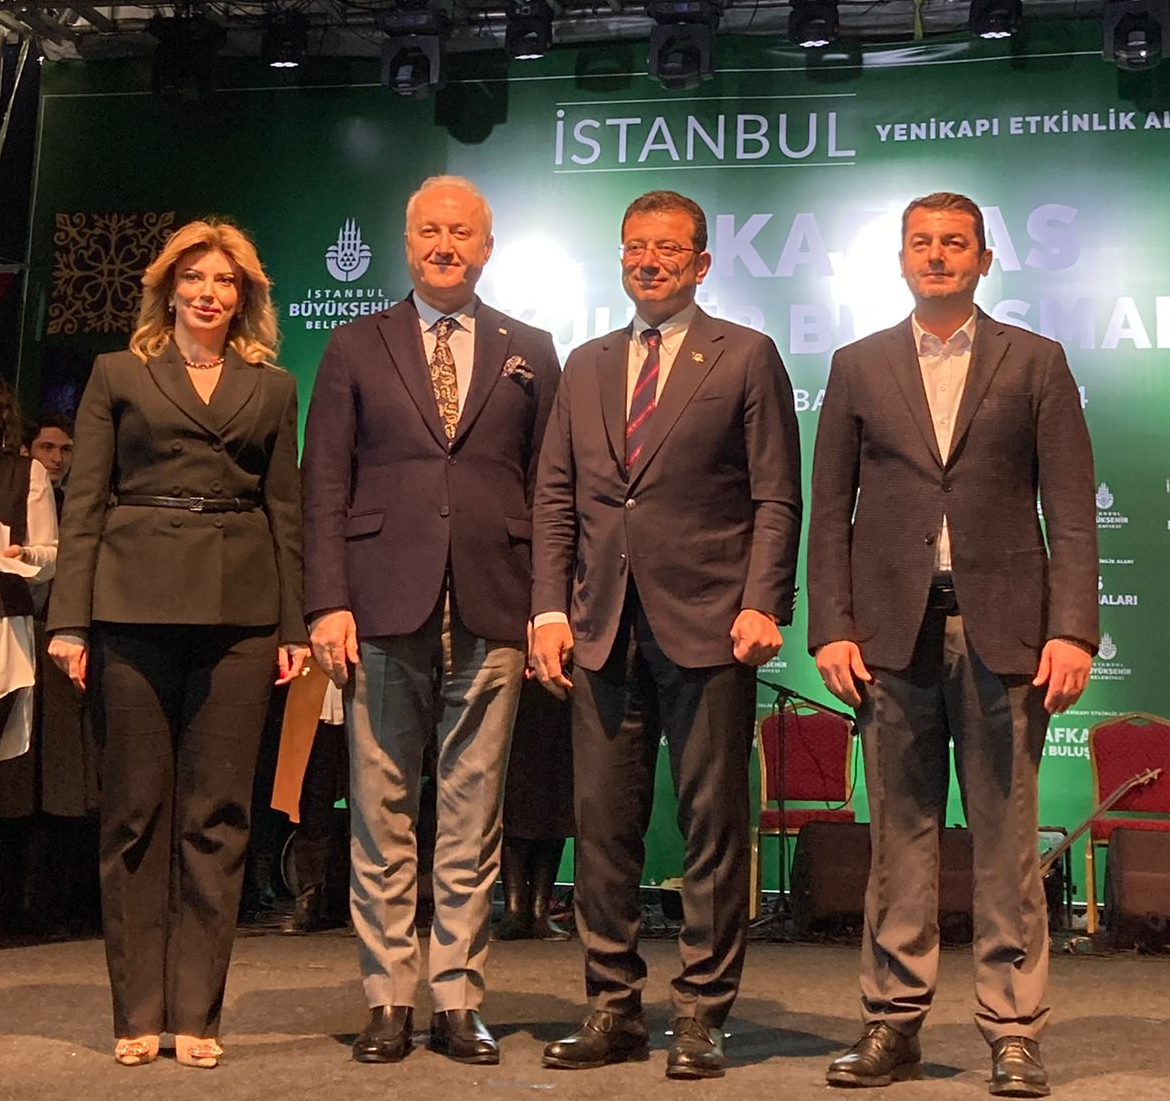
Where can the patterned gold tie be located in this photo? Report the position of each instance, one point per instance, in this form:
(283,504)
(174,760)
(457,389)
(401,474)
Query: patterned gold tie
(443,376)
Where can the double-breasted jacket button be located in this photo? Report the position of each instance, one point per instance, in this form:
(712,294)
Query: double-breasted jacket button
(444,510)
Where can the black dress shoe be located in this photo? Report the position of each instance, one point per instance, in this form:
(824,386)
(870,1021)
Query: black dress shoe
(882,1055)
(1016,1070)
(603,1038)
(460,1034)
(386,1039)
(697,1051)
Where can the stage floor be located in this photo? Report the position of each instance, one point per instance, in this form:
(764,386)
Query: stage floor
(294,1004)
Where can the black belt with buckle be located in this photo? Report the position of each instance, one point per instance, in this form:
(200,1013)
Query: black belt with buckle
(942,598)
(191,504)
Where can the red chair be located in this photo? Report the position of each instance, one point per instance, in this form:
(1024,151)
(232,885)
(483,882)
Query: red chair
(1119,750)
(806,757)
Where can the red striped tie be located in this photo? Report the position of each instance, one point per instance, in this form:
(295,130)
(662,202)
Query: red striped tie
(642,401)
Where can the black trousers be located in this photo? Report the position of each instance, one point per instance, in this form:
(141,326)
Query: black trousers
(180,711)
(620,713)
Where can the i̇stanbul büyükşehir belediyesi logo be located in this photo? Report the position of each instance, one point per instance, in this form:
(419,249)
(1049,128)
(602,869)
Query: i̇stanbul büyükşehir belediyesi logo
(348,258)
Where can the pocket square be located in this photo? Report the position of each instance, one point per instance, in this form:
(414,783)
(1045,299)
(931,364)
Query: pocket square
(517,367)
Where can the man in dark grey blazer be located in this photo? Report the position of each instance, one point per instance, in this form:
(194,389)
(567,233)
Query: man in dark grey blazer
(667,519)
(939,608)
(420,456)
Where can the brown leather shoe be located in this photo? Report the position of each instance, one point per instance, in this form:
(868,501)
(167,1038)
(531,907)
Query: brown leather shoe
(387,1038)
(460,1034)
(1016,1070)
(697,1050)
(603,1038)
(882,1055)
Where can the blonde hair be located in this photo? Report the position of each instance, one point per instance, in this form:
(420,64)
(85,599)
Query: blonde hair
(461,182)
(252,332)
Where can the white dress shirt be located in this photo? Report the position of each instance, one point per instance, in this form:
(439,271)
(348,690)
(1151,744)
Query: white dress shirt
(943,365)
(461,340)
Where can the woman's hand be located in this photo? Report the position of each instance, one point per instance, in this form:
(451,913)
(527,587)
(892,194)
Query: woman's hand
(290,659)
(13,550)
(72,658)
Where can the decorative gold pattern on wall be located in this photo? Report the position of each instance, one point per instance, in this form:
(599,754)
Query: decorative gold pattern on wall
(98,261)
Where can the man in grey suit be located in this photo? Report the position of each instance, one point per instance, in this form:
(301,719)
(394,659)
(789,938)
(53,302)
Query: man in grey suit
(420,457)
(939,609)
(667,518)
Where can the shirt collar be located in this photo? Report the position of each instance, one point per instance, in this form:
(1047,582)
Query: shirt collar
(673,326)
(429,316)
(929,344)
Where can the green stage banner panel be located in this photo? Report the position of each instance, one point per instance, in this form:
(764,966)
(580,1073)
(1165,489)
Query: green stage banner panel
(803,165)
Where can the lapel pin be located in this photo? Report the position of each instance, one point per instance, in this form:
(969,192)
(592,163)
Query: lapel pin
(698,357)
(503,332)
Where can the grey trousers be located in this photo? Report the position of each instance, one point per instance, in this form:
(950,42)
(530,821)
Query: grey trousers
(907,720)
(440,682)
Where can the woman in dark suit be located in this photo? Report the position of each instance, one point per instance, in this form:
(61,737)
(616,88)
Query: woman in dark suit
(178,596)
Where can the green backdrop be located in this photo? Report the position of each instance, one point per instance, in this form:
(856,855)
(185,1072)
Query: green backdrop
(803,165)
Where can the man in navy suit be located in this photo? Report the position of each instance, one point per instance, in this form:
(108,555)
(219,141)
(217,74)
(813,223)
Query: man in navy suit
(420,457)
(667,522)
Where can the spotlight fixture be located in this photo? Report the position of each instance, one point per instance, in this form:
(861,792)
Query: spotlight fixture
(184,59)
(813,24)
(286,40)
(996,18)
(414,51)
(682,42)
(529,30)
(1134,32)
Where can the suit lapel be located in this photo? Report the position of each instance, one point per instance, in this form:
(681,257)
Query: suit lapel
(170,376)
(399,329)
(237,384)
(492,341)
(902,360)
(991,345)
(612,382)
(697,356)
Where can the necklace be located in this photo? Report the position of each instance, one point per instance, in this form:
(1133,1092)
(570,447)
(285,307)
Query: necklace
(217,362)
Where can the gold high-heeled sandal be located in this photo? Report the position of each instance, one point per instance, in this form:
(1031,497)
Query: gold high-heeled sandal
(193,1051)
(136,1051)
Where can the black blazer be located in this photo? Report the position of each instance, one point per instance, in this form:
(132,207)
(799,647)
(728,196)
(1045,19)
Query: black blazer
(708,520)
(388,505)
(142,429)
(880,489)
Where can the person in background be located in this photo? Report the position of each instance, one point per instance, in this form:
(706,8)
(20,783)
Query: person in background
(49,440)
(28,553)
(177,603)
(538,814)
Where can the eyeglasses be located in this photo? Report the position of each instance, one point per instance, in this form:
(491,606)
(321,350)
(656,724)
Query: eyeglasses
(664,250)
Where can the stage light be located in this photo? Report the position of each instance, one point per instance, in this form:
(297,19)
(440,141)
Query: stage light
(1134,32)
(184,59)
(529,30)
(286,40)
(414,51)
(682,42)
(995,18)
(813,24)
